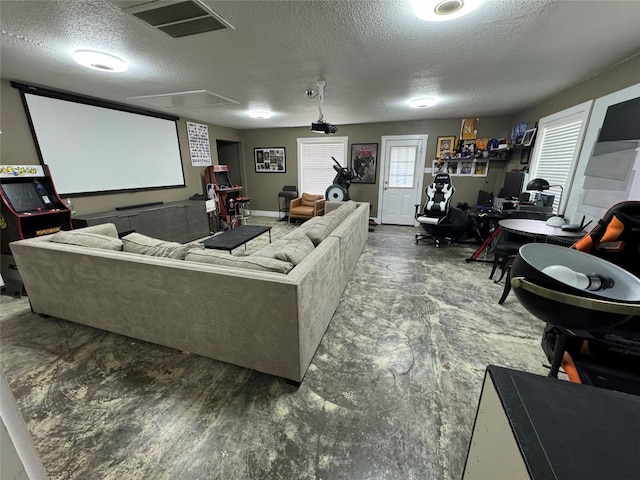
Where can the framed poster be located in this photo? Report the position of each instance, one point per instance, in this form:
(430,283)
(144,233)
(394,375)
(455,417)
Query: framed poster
(452,167)
(465,168)
(270,160)
(364,162)
(469,128)
(445,148)
(198,135)
(527,138)
(480,169)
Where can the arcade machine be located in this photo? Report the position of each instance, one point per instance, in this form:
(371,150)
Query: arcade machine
(218,175)
(30,207)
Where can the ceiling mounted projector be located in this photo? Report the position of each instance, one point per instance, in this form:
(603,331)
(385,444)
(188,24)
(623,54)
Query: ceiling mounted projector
(323,127)
(320,125)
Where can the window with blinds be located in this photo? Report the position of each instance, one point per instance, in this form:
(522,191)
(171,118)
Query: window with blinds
(315,165)
(556,151)
(402,165)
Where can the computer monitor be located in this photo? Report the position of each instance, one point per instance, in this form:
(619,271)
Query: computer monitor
(485,199)
(547,200)
(512,187)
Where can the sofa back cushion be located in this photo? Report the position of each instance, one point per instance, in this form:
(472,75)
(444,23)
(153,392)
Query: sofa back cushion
(293,248)
(319,228)
(308,200)
(142,244)
(88,239)
(344,210)
(251,262)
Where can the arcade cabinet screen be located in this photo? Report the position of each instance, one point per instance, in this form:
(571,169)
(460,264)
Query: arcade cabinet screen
(22,196)
(222,179)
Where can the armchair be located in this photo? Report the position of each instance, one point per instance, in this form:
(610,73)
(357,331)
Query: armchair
(306,207)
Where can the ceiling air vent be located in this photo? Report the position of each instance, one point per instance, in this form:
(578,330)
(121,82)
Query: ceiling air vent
(179,19)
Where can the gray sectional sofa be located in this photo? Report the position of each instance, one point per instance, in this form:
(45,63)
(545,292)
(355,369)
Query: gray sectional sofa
(247,315)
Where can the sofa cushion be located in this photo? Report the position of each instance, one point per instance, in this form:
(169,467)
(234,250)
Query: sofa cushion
(142,244)
(344,210)
(252,262)
(291,248)
(304,211)
(309,200)
(88,239)
(319,228)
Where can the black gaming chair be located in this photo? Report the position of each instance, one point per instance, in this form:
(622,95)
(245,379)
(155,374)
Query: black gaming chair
(439,220)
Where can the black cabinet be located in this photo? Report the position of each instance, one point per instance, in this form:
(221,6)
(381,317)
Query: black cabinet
(533,427)
(176,221)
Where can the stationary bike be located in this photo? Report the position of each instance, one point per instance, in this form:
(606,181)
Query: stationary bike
(339,191)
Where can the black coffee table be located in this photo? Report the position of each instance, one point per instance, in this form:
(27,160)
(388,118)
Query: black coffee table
(236,237)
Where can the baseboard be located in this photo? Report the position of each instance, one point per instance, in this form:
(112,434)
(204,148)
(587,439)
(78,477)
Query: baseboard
(264,213)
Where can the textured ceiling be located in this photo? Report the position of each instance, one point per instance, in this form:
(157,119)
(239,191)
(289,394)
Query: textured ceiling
(375,56)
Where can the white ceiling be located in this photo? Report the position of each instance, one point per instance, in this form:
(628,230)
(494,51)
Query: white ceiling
(375,56)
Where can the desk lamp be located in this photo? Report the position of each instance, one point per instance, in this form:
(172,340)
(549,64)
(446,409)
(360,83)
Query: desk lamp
(540,184)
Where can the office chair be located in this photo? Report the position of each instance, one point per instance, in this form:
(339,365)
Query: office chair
(607,358)
(436,209)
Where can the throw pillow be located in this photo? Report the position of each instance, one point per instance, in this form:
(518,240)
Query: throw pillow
(88,239)
(214,257)
(142,244)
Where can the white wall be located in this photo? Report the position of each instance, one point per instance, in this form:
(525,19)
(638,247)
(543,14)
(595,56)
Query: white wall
(593,200)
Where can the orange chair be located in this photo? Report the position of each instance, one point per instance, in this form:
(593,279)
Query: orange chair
(306,207)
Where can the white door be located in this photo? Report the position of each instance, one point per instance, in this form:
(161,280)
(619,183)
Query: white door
(403,159)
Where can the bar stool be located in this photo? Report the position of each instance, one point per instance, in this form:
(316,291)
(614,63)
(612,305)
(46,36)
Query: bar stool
(289,192)
(243,210)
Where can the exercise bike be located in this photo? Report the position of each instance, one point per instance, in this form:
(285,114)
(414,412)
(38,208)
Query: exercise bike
(339,191)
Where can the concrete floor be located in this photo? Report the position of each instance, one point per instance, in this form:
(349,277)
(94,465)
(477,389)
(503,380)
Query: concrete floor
(391,393)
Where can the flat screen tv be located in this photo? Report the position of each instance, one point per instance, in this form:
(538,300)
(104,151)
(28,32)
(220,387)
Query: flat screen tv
(22,196)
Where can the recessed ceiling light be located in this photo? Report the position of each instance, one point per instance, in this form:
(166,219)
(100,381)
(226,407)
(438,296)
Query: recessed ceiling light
(99,61)
(423,102)
(261,115)
(441,10)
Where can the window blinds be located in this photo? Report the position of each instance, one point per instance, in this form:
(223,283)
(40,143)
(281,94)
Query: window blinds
(402,165)
(315,165)
(556,154)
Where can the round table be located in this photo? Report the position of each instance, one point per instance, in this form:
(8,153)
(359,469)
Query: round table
(536,228)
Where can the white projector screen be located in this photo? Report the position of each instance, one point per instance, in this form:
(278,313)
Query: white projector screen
(100,149)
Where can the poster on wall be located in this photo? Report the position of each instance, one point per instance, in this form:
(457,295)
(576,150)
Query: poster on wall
(199,149)
(364,157)
(465,167)
(469,129)
(480,169)
(270,160)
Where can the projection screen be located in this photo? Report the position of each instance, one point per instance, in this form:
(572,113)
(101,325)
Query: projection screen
(94,146)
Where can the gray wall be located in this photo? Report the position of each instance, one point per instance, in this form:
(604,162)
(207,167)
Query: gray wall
(617,77)
(265,186)
(17,147)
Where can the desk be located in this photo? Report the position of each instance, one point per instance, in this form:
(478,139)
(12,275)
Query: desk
(536,229)
(236,237)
